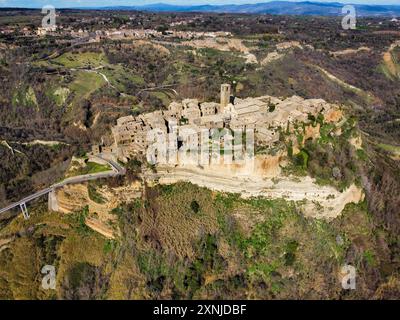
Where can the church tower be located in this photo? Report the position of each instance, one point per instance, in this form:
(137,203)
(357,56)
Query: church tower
(225,96)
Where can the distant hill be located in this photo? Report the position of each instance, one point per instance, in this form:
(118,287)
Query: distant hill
(274,7)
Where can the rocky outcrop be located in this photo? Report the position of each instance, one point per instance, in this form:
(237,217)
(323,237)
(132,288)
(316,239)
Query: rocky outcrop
(100,202)
(322,202)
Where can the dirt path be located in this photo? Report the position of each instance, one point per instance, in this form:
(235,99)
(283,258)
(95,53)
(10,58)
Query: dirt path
(389,62)
(346,52)
(387,59)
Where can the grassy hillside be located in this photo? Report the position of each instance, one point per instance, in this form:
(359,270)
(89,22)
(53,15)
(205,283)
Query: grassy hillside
(210,246)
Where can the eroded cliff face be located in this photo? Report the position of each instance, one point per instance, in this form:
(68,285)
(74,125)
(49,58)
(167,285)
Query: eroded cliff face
(267,166)
(264,176)
(100,200)
(322,202)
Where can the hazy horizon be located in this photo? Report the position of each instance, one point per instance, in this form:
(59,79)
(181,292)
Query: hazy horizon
(108,3)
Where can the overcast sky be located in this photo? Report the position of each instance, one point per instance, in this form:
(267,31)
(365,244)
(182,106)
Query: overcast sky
(100,3)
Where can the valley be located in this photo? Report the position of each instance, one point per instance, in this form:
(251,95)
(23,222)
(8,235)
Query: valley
(321,190)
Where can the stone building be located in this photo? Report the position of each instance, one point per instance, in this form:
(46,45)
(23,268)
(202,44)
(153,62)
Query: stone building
(263,115)
(225,96)
(209,108)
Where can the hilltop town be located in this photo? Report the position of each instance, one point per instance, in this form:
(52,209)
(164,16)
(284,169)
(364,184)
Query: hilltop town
(276,125)
(265,115)
(184,155)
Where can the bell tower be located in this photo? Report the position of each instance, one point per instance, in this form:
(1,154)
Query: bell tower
(225,96)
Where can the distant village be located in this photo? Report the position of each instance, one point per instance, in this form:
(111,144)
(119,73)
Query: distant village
(125,32)
(128,30)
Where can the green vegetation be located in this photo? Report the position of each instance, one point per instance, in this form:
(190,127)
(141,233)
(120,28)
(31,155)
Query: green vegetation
(238,248)
(301,159)
(162,96)
(110,245)
(93,167)
(390,148)
(390,65)
(323,158)
(370,258)
(60,95)
(325,131)
(121,77)
(362,155)
(81,60)
(25,97)
(85,84)
(62,241)
(94,195)
(290,255)
(79,218)
(271,107)
(194,205)
(89,168)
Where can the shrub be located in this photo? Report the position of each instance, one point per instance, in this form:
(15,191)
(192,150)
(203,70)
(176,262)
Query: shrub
(301,159)
(195,206)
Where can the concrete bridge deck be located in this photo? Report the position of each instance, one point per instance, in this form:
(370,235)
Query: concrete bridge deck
(117,170)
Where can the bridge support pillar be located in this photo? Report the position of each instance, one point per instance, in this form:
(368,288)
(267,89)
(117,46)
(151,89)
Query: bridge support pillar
(53,202)
(24,211)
